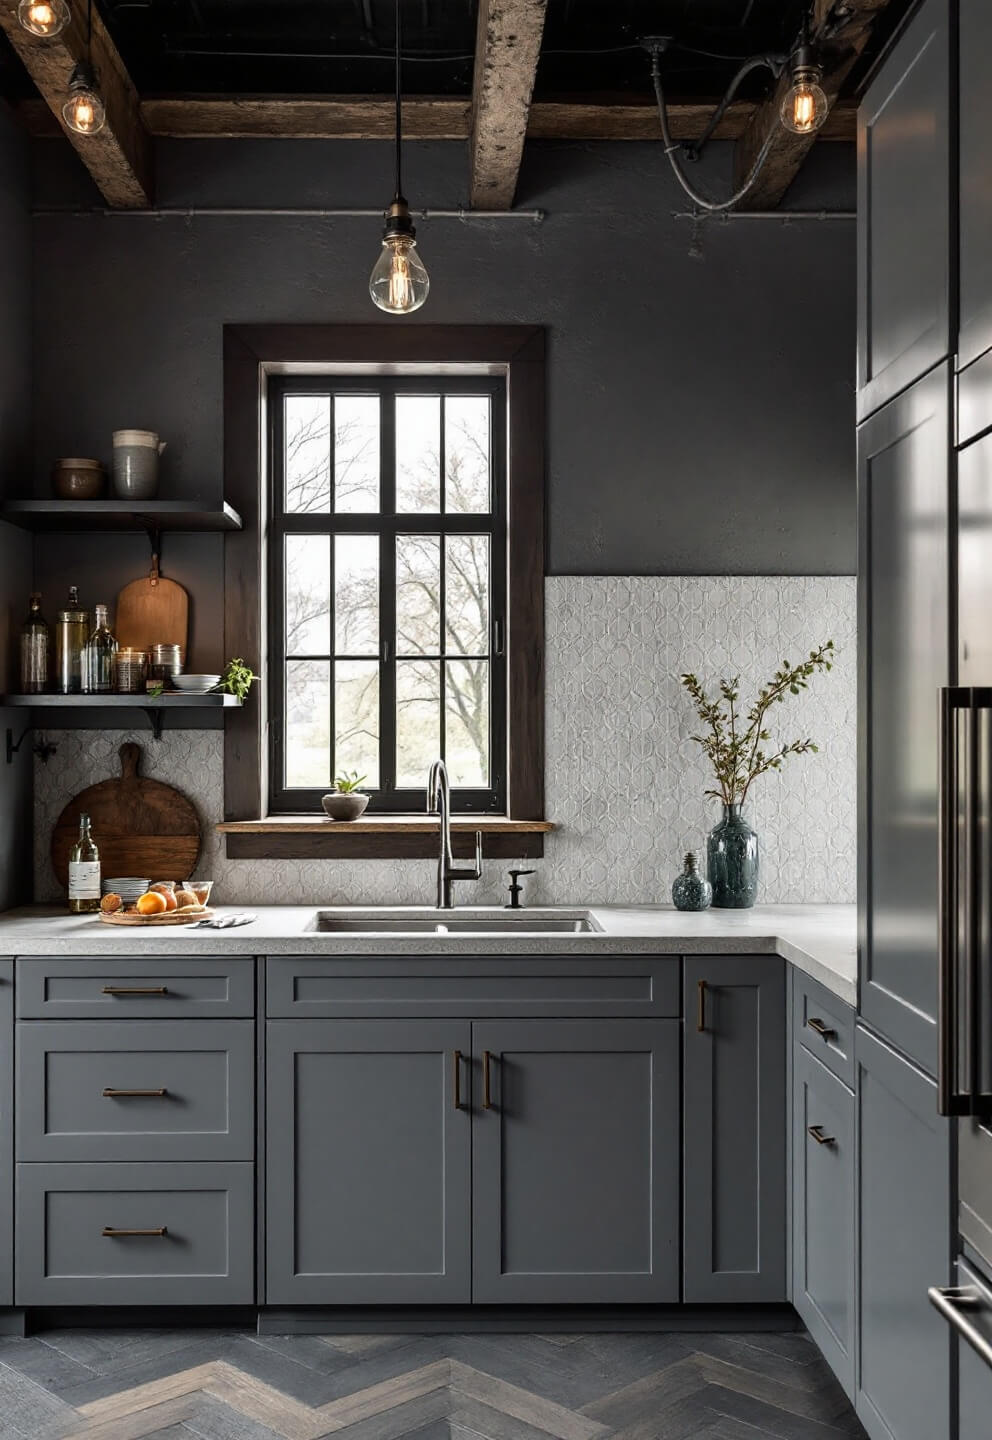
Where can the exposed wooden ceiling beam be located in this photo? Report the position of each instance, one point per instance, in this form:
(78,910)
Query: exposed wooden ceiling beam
(851,22)
(371,118)
(507,48)
(119,157)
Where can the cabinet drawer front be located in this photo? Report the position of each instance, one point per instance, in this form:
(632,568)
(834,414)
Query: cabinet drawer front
(824,1025)
(823,1212)
(200,988)
(480,988)
(203,1255)
(77,1084)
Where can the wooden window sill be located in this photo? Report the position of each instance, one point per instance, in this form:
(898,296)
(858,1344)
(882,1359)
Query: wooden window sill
(380,837)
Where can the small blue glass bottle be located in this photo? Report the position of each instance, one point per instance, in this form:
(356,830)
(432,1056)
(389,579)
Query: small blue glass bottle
(690,890)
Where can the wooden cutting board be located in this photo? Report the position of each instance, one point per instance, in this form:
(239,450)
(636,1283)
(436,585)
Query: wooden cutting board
(141,827)
(151,612)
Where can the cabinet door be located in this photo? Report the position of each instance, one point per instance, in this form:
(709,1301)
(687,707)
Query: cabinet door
(576,1161)
(904,657)
(735,1109)
(904,202)
(903,1192)
(368,1146)
(823,1211)
(975,183)
(6,1132)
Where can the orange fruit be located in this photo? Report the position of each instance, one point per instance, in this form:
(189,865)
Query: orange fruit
(152,903)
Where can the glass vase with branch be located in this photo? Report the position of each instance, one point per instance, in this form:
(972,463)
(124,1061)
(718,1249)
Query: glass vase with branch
(739,747)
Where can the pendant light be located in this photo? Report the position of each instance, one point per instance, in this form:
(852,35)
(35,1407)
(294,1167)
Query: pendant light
(43,17)
(399,282)
(83,111)
(805,106)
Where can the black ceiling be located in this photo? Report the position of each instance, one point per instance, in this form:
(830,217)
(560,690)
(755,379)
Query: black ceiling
(341,47)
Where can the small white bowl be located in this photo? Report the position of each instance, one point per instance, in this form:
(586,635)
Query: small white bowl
(195,684)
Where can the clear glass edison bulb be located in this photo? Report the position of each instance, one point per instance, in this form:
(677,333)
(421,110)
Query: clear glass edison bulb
(805,107)
(83,111)
(399,282)
(43,17)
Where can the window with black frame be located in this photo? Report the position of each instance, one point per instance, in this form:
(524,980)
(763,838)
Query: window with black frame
(387,578)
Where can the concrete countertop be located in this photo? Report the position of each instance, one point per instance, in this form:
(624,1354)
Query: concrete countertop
(820,940)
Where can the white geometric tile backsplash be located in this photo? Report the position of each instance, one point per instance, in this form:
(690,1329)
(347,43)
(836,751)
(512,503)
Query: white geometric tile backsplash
(625,782)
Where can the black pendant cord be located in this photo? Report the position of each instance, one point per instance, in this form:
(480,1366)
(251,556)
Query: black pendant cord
(399,110)
(89,32)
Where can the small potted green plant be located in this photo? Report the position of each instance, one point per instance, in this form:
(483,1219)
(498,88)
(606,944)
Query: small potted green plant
(346,801)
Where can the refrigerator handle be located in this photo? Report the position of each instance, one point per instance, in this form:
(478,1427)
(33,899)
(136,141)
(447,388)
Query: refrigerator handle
(947,906)
(950,1300)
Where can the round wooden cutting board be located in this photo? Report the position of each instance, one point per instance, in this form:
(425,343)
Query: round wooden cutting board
(141,827)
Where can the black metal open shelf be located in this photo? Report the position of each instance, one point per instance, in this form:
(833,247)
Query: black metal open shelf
(127,515)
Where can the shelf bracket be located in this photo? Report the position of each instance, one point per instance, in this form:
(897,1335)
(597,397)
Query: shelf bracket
(156,719)
(42,748)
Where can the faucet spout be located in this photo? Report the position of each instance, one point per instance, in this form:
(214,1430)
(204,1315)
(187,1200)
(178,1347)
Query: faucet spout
(439,803)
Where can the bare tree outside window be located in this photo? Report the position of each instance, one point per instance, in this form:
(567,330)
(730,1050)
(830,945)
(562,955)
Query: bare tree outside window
(334,603)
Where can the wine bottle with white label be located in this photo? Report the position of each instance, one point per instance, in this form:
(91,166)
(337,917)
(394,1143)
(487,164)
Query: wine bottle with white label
(84,872)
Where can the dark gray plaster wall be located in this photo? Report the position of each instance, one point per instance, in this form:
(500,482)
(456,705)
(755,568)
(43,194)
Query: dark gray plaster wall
(701,409)
(15,467)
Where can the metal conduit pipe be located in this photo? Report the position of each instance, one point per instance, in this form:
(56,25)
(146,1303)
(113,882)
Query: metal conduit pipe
(304,212)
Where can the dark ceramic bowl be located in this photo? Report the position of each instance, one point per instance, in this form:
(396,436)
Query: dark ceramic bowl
(78,479)
(344,807)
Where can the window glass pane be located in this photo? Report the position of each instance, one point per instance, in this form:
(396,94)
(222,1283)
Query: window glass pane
(466,454)
(356,719)
(466,721)
(308,595)
(356,453)
(466,588)
(418,720)
(356,595)
(308,724)
(418,594)
(307,457)
(418,454)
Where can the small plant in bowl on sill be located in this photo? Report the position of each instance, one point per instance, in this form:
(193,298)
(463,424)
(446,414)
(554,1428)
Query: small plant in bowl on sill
(346,801)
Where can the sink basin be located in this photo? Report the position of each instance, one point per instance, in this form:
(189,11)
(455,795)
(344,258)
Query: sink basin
(455,922)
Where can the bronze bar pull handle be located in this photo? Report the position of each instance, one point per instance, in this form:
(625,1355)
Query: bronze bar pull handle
(135,990)
(817,1133)
(824,1031)
(111,1094)
(457,1078)
(701,1006)
(487,1094)
(110,1232)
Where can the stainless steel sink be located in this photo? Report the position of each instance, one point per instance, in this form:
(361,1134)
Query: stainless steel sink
(456,922)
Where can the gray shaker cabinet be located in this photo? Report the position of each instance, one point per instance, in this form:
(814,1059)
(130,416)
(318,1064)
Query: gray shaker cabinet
(904,195)
(974,127)
(823,1289)
(904,657)
(368,1140)
(6,1131)
(575,1175)
(735,1109)
(903,1198)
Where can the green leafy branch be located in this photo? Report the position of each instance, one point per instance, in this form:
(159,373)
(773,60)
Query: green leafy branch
(735,744)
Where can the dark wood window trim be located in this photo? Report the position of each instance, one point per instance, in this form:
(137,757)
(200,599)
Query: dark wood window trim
(251,353)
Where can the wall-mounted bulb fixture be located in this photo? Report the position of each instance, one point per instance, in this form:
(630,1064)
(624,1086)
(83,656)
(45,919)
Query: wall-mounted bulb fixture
(83,111)
(805,106)
(399,282)
(43,17)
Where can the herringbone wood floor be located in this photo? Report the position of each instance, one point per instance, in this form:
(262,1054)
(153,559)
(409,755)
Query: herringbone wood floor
(225,1385)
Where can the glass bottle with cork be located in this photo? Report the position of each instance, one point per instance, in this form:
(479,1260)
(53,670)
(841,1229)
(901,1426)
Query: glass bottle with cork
(35,651)
(84,872)
(71,634)
(98,657)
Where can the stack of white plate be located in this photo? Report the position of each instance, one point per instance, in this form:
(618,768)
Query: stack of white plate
(128,887)
(195,684)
